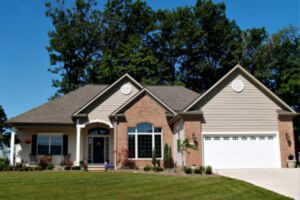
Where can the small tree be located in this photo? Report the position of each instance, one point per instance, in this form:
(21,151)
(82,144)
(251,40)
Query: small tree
(4,136)
(168,160)
(154,160)
(184,145)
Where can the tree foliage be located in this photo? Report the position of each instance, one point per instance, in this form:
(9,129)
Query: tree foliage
(4,138)
(192,46)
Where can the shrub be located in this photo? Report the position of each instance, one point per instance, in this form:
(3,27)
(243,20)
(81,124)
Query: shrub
(197,171)
(45,161)
(157,169)
(290,157)
(4,164)
(147,168)
(66,163)
(84,165)
(168,160)
(67,168)
(129,164)
(76,168)
(202,169)
(208,170)
(187,170)
(50,166)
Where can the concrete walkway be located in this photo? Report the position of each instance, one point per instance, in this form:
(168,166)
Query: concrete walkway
(282,181)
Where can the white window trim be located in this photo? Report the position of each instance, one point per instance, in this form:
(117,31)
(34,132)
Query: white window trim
(136,133)
(49,143)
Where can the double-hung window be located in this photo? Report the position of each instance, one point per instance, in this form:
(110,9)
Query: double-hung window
(49,145)
(143,139)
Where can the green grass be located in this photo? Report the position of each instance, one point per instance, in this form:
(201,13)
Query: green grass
(127,186)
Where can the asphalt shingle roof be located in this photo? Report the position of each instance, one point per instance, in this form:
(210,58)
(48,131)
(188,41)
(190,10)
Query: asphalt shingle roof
(176,97)
(60,110)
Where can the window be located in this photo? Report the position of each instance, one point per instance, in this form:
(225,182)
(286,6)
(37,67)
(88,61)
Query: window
(226,138)
(43,145)
(207,138)
(145,146)
(56,145)
(253,138)
(270,137)
(244,138)
(143,139)
(235,137)
(261,137)
(131,146)
(216,138)
(49,145)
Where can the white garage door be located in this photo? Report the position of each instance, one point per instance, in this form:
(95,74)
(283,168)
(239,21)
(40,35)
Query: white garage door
(237,152)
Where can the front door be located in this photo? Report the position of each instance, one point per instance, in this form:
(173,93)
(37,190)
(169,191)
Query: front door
(98,150)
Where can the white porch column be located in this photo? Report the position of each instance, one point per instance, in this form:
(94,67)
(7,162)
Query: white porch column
(12,147)
(78,142)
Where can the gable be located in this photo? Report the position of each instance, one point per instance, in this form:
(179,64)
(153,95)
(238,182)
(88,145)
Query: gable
(136,98)
(102,107)
(240,70)
(145,109)
(227,110)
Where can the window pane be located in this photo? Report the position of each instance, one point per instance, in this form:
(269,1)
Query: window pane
(99,131)
(131,146)
(43,145)
(131,130)
(158,146)
(157,130)
(144,128)
(56,145)
(145,146)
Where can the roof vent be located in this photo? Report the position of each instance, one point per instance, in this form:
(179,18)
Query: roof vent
(126,89)
(237,85)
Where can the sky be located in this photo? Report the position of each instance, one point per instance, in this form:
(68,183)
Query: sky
(25,82)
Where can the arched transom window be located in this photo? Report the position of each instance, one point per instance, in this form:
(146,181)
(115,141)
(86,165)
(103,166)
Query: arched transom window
(98,131)
(143,139)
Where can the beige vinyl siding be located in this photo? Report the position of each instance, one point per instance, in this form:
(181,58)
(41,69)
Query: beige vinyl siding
(105,108)
(249,110)
(27,133)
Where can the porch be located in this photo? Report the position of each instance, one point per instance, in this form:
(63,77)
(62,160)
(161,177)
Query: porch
(91,143)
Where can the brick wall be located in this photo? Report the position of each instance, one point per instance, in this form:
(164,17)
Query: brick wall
(192,129)
(286,137)
(145,109)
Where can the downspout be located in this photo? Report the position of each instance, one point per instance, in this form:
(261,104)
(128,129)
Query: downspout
(115,142)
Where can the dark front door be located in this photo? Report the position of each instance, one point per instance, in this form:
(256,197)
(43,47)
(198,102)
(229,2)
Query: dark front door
(98,150)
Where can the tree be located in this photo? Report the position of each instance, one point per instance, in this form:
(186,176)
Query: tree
(192,46)
(184,145)
(74,44)
(199,42)
(4,140)
(168,160)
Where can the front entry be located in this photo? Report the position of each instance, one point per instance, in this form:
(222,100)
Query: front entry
(99,146)
(98,150)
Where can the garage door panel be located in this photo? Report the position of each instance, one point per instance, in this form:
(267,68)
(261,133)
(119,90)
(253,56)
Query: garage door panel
(233,152)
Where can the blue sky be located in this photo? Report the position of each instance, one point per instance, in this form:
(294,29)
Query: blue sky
(24,80)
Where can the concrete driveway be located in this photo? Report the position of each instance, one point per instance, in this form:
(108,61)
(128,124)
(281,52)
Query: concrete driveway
(282,181)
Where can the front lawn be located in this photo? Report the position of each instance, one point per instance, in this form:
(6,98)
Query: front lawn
(119,185)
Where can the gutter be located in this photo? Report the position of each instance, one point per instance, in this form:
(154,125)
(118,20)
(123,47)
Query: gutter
(184,114)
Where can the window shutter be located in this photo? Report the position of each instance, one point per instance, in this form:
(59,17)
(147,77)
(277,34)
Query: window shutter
(65,145)
(33,144)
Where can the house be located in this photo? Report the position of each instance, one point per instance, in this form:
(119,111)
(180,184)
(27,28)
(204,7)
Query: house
(237,123)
